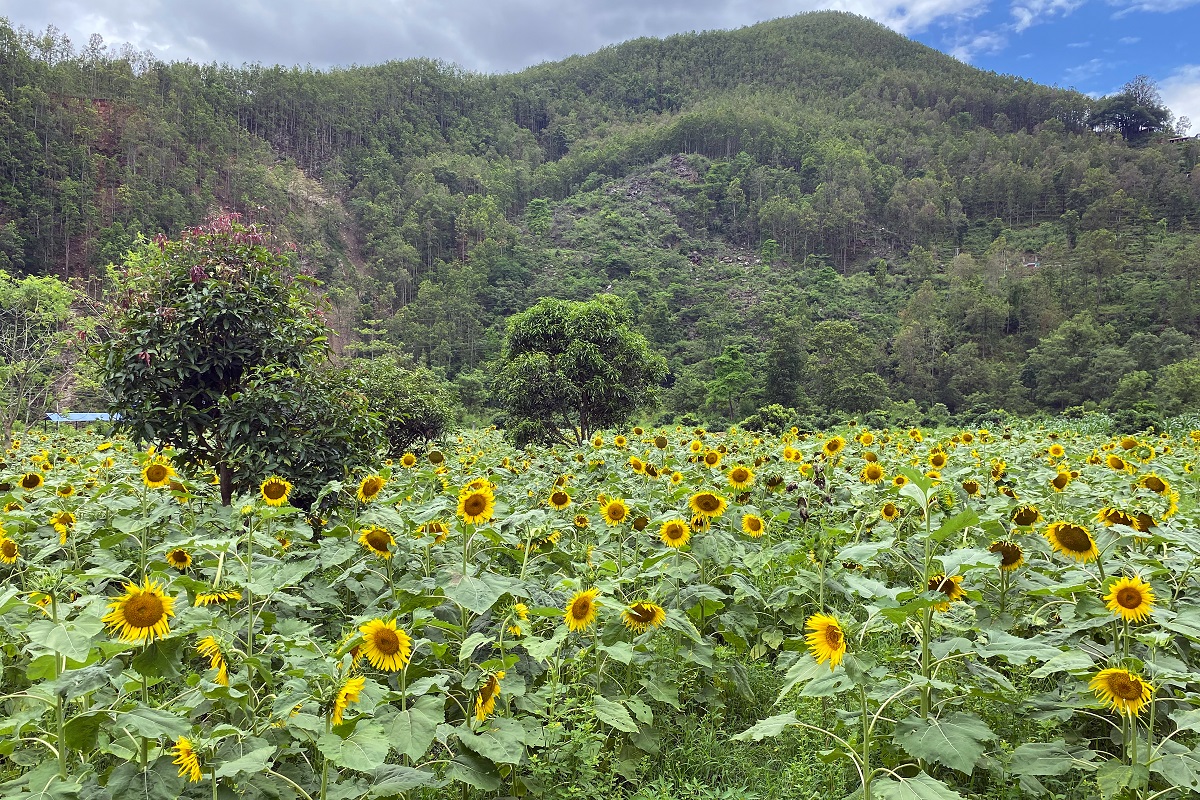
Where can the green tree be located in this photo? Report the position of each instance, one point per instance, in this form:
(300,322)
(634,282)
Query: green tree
(570,368)
(1178,387)
(415,404)
(731,378)
(841,372)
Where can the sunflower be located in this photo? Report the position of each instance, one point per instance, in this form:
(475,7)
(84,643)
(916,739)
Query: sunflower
(1143,522)
(832,447)
(140,615)
(951,587)
(890,512)
(827,642)
(157,474)
(972,487)
(581,521)
(1122,690)
(1061,481)
(1154,483)
(1072,540)
(187,759)
(435,457)
(31,480)
(643,615)
(179,558)
(1115,462)
(614,511)
(660,442)
(476,505)
(1011,555)
(1110,516)
(63,520)
(386,647)
(66,490)
(866,438)
(370,487)
(870,456)
(707,504)
(712,458)
(937,459)
(1025,516)
(214,596)
(210,648)
(696,446)
(597,441)
(275,490)
(377,539)
(9,551)
(408,460)
(347,694)
(435,528)
(1130,599)
(13,506)
(560,499)
(485,703)
(871,473)
(581,611)
(740,477)
(1057,451)
(753,525)
(675,533)
(676,478)
(899,480)
(637,465)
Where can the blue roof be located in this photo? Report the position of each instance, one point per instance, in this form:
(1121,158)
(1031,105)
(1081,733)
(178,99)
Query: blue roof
(85,416)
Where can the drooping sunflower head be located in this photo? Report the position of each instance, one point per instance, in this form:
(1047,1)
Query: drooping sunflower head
(1011,555)
(707,504)
(1025,516)
(378,540)
(1128,443)
(675,533)
(157,474)
(1131,599)
(1121,690)
(581,610)
(217,595)
(826,640)
(210,648)
(1110,516)
(370,487)
(275,491)
(871,473)
(1073,541)
(179,558)
(951,587)
(141,614)
(753,525)
(476,505)
(66,490)
(560,499)
(740,477)
(385,646)
(187,759)
(614,511)
(485,702)
(347,693)
(31,480)
(972,487)
(1154,483)
(643,615)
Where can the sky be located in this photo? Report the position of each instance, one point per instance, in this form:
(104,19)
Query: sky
(1095,46)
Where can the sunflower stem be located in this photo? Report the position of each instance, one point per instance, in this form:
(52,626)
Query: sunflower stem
(926,624)
(325,768)
(249,589)
(866,743)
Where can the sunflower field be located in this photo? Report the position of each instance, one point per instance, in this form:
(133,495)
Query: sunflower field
(916,614)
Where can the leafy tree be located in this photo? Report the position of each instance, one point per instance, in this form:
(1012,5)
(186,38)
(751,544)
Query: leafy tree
(1178,387)
(570,368)
(415,404)
(731,378)
(196,321)
(841,373)
(1137,111)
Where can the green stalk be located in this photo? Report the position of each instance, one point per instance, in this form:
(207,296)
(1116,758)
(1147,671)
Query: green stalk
(866,743)
(249,590)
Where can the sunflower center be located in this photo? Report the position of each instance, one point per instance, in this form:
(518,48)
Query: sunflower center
(641,612)
(386,641)
(833,637)
(707,503)
(178,555)
(740,475)
(616,511)
(1154,484)
(156,473)
(275,490)
(1125,687)
(581,609)
(673,531)
(754,524)
(559,498)
(1025,516)
(31,481)
(144,611)
(1075,538)
(1009,553)
(378,539)
(1129,597)
(8,548)
(474,505)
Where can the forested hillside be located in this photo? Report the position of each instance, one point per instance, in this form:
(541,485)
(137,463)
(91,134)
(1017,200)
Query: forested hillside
(812,212)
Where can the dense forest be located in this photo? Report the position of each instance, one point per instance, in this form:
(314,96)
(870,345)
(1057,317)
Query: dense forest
(814,213)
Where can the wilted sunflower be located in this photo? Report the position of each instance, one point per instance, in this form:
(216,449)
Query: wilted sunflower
(1121,690)
(275,491)
(871,473)
(187,760)
(157,474)
(707,504)
(386,647)
(753,525)
(1061,481)
(833,446)
(485,703)
(951,587)
(213,596)
(643,615)
(347,694)
(1154,483)
(890,512)
(179,558)
(1110,516)
(581,611)
(1011,555)
(972,487)
(560,499)
(210,648)
(9,552)
(614,511)
(581,521)
(31,481)
(13,506)
(1130,599)
(476,505)
(1025,516)
(140,615)
(740,477)
(370,487)
(827,641)
(408,460)
(378,540)
(675,533)
(1072,540)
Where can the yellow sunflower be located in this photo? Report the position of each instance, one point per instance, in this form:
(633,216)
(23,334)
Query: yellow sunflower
(753,525)
(408,460)
(214,596)
(1121,690)
(1011,555)
(580,521)
(696,446)
(386,647)
(937,459)
(157,474)
(210,648)
(347,694)
(370,487)
(951,587)
(1061,481)
(712,459)
(707,504)
(378,540)
(833,446)
(637,465)
(899,481)
(436,528)
(620,441)
(485,703)
(187,759)
(827,641)
(972,487)
(560,499)
(675,533)
(31,480)
(614,511)
(1115,462)
(476,505)
(581,611)
(1110,516)
(1130,599)
(9,552)
(141,614)
(871,473)
(1072,541)
(643,615)
(1025,516)
(179,558)
(1154,483)
(66,490)
(866,438)
(275,490)
(890,512)
(740,477)
(676,478)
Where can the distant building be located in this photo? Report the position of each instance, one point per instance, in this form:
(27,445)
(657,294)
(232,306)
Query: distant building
(80,418)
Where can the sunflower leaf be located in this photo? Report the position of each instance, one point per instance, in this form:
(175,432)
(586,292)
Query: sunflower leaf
(251,763)
(153,722)
(1014,649)
(365,749)
(1041,758)
(614,713)
(771,726)
(955,524)
(501,740)
(956,741)
(918,787)
(392,779)
(72,639)
(1067,661)
(1113,777)
(410,732)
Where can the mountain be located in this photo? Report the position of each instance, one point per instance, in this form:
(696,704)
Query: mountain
(812,211)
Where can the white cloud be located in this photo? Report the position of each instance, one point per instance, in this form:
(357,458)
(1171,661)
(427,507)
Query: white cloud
(1152,6)
(1129,39)
(981,44)
(1088,69)
(1181,92)
(1028,13)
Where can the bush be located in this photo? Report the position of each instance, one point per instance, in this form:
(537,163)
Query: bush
(415,404)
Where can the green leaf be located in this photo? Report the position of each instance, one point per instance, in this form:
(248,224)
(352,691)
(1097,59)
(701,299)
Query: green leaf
(410,732)
(1066,661)
(1015,649)
(1181,769)
(1114,777)
(1041,758)
(478,594)
(80,731)
(863,553)
(251,763)
(956,741)
(364,749)
(393,779)
(78,682)
(771,726)
(474,771)
(827,683)
(966,558)
(72,639)
(955,524)
(502,740)
(159,659)
(918,787)
(613,713)
(153,722)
